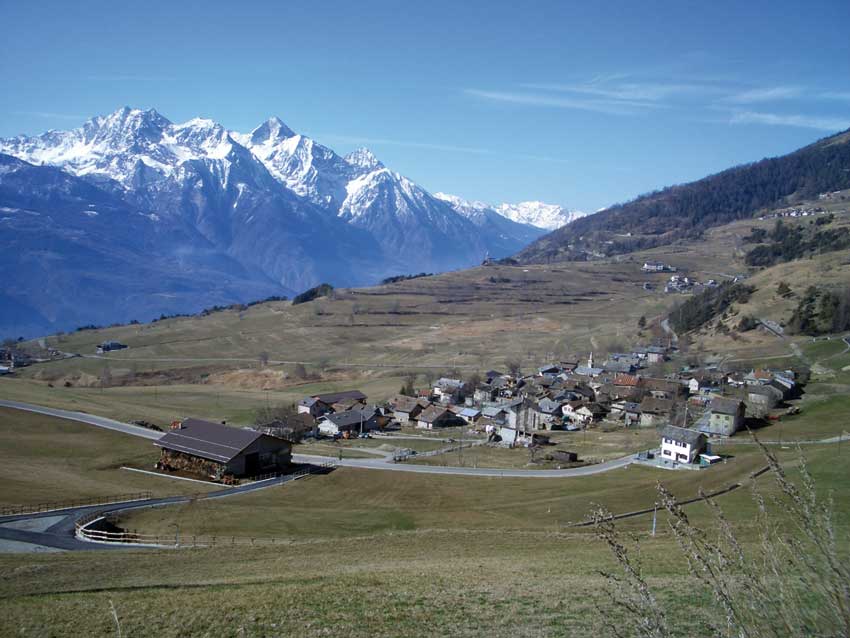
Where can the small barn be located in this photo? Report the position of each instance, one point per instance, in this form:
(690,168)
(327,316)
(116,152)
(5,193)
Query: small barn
(215,450)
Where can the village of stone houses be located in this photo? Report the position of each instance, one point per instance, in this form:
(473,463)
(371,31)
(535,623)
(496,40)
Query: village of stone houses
(543,411)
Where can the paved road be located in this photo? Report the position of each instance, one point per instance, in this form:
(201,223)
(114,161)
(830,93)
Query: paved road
(61,535)
(367,464)
(377,464)
(83,417)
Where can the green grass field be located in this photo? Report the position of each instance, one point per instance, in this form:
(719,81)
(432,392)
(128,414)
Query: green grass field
(379,553)
(367,554)
(43,459)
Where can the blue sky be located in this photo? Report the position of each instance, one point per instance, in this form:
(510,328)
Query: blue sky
(582,104)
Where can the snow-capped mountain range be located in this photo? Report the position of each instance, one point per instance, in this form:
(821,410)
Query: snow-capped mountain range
(536,214)
(220,217)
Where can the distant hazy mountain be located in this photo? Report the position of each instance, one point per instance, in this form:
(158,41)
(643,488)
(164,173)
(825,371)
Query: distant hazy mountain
(546,216)
(687,210)
(535,214)
(136,216)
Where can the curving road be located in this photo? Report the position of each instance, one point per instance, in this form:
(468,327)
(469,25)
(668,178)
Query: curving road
(59,526)
(384,464)
(365,464)
(83,417)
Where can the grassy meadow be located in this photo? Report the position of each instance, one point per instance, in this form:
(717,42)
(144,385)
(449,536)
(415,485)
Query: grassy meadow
(44,459)
(374,554)
(378,553)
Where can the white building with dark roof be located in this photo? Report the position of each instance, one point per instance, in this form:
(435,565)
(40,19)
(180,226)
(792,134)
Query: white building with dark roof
(682,445)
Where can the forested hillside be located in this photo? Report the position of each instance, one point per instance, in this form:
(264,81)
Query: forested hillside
(685,211)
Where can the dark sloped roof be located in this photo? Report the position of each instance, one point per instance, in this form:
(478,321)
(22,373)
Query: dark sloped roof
(725,406)
(691,437)
(336,397)
(431,414)
(350,417)
(652,405)
(405,404)
(208,440)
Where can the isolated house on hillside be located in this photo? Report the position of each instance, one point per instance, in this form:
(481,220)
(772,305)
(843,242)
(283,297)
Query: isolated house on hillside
(110,346)
(653,266)
(215,450)
(682,445)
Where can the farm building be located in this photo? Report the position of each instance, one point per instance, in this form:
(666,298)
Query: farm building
(216,450)
(109,346)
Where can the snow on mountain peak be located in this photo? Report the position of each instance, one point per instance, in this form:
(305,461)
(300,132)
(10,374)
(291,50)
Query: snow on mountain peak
(125,126)
(271,131)
(540,214)
(463,206)
(363,158)
(534,213)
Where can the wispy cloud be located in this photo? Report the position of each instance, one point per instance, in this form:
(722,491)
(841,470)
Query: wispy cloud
(828,124)
(632,93)
(768,94)
(612,107)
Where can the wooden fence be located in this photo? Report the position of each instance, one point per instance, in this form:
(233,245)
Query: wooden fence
(38,508)
(174,540)
(84,531)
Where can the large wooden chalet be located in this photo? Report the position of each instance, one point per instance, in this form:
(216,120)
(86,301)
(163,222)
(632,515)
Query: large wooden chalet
(216,450)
